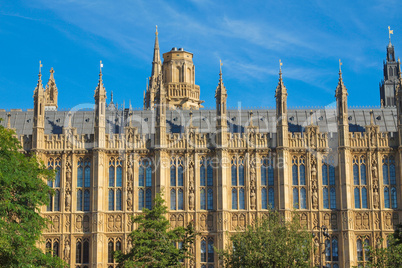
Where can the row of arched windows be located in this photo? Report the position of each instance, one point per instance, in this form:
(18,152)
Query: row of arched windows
(145,184)
(328,183)
(82,251)
(112,246)
(52,246)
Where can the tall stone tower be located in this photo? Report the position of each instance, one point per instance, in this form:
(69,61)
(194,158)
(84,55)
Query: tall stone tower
(178,74)
(391,73)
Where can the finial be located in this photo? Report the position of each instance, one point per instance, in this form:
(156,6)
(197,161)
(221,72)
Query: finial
(311,116)
(100,66)
(51,70)
(251,118)
(156,29)
(69,119)
(111,96)
(371,117)
(340,66)
(389,33)
(280,69)
(8,120)
(191,118)
(40,67)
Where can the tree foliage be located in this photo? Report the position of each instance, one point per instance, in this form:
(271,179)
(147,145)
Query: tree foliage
(390,256)
(22,192)
(270,242)
(153,244)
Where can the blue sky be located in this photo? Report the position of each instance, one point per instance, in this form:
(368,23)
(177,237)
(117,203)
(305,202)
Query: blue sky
(250,38)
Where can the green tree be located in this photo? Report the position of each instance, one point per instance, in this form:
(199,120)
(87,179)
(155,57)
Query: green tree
(22,192)
(270,242)
(153,244)
(390,256)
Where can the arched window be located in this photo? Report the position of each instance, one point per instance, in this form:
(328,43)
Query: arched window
(83,184)
(267,181)
(79,200)
(364,197)
(299,182)
(327,250)
(86,200)
(241,199)
(140,199)
(176,183)
(325,198)
(85,253)
(144,184)
(118,199)
(389,180)
(328,183)
(54,200)
(210,250)
(359,247)
(206,183)
(203,251)
(335,249)
(210,199)
(295,198)
(180,200)
(55,248)
(110,251)
(360,182)
(234,198)
(264,200)
(386,198)
(303,204)
(393,198)
(238,182)
(203,204)
(357,197)
(78,252)
(173,199)
(111,200)
(148,199)
(271,198)
(207,252)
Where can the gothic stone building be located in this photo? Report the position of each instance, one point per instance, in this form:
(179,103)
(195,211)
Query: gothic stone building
(221,168)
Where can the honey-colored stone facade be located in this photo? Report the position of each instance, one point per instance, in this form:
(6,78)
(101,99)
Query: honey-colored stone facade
(221,169)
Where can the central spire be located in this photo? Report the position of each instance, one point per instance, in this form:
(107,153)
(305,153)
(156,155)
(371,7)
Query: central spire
(156,63)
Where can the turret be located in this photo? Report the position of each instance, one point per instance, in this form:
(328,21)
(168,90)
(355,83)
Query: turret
(341,95)
(221,113)
(100,112)
(39,114)
(149,96)
(51,93)
(391,73)
(281,96)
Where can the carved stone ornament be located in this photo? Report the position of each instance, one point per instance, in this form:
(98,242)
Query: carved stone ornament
(67,251)
(191,187)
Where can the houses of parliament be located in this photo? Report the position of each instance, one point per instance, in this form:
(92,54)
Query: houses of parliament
(222,169)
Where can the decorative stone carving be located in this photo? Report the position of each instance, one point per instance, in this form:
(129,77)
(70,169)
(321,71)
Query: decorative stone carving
(67,251)
(314,183)
(203,222)
(180,220)
(78,223)
(242,221)
(234,222)
(114,223)
(376,199)
(129,200)
(173,221)
(210,222)
(252,184)
(85,224)
(191,187)
(395,219)
(334,221)
(377,220)
(67,223)
(303,220)
(252,198)
(327,218)
(68,201)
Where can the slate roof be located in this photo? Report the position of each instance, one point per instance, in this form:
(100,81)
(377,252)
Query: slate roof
(204,120)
